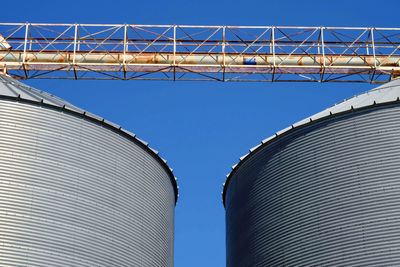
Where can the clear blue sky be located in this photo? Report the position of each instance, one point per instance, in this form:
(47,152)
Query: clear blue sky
(202,128)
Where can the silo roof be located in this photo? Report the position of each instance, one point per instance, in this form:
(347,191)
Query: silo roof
(14,90)
(384,94)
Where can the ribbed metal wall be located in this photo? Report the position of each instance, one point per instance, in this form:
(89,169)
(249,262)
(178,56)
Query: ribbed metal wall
(76,193)
(326,194)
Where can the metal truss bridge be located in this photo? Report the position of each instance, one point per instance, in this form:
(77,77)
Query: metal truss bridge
(184,52)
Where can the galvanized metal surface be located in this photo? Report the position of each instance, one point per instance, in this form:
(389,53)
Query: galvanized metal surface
(188,52)
(325,193)
(15,90)
(384,94)
(78,192)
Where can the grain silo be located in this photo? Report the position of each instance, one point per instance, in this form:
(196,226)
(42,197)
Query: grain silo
(322,192)
(77,190)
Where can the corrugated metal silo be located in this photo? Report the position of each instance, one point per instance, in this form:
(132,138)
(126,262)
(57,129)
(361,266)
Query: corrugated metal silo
(77,190)
(323,192)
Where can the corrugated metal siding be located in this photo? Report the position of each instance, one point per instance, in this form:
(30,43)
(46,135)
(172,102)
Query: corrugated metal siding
(327,194)
(11,89)
(75,193)
(384,94)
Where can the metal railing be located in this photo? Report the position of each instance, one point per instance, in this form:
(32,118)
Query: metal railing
(184,52)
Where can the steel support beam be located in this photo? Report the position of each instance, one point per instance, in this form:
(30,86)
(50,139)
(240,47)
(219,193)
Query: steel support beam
(187,52)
